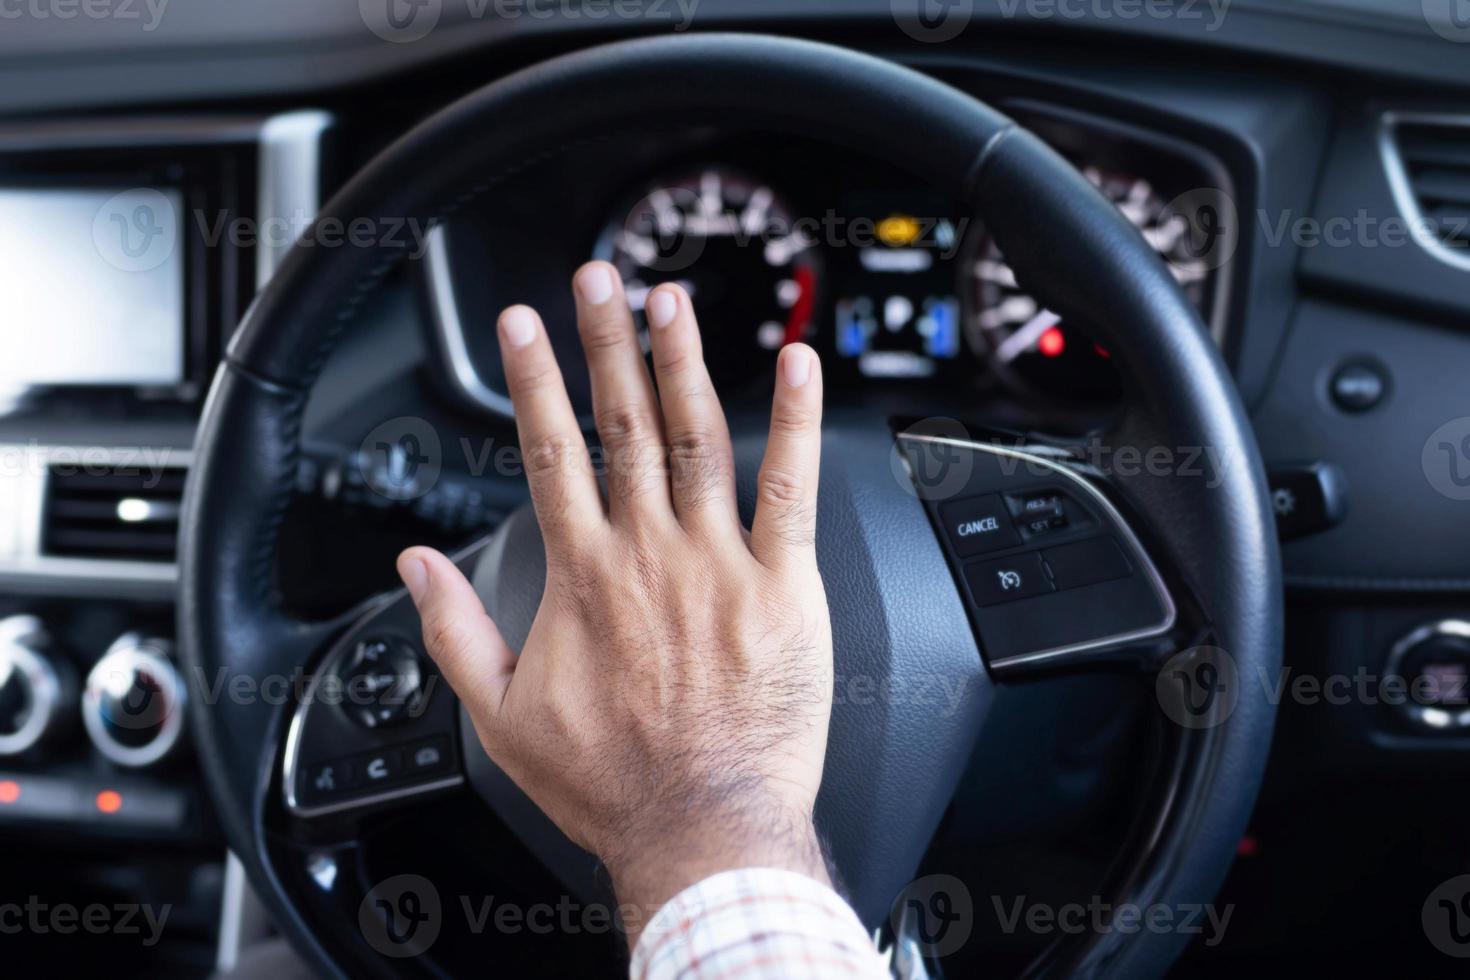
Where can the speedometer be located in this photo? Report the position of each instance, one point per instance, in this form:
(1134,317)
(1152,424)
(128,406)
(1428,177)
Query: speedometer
(735,245)
(1029,346)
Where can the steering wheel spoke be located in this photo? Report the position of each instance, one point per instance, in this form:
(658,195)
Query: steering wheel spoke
(1053,575)
(376,725)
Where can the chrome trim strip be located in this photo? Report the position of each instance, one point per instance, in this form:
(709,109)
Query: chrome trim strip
(290,180)
(1401,187)
(449,328)
(1071,651)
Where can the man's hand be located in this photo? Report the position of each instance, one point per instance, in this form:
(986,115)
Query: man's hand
(669,710)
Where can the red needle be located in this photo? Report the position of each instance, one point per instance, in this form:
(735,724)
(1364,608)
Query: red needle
(801,310)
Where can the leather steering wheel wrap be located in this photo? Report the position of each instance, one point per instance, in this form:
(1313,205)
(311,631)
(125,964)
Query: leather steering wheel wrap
(1067,244)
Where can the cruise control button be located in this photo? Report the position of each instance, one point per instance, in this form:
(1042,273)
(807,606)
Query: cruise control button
(427,758)
(1007,579)
(1086,563)
(978,525)
(380,767)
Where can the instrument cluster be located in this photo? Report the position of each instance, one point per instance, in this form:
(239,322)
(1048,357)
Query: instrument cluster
(896,286)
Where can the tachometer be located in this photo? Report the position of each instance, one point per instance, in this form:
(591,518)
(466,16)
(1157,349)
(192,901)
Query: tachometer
(738,249)
(1028,345)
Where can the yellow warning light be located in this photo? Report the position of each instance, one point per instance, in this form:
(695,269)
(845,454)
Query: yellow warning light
(898,230)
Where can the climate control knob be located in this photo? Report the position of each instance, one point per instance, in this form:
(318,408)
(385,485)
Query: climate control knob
(33,687)
(134,702)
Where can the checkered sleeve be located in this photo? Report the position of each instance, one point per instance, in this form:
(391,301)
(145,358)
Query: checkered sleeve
(753,924)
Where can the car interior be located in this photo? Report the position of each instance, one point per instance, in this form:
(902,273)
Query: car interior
(1146,456)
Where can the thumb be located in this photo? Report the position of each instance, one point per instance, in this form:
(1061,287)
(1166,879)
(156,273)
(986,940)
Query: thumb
(462,639)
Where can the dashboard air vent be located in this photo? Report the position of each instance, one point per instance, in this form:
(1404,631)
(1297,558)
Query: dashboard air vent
(1428,162)
(117,513)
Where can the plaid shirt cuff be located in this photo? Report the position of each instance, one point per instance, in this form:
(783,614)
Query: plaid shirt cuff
(753,924)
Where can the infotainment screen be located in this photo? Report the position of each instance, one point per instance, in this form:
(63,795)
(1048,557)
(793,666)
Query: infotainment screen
(91,287)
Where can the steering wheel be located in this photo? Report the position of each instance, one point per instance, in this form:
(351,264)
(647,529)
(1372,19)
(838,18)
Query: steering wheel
(1098,566)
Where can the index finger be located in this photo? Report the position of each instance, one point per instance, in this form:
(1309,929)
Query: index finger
(563,487)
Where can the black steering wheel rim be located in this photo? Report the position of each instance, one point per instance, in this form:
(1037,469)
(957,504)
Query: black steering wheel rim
(1043,214)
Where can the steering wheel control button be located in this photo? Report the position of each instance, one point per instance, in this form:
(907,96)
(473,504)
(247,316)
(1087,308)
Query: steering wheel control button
(1307,499)
(1008,579)
(978,526)
(1089,562)
(427,758)
(380,767)
(1359,386)
(331,778)
(383,681)
(1039,513)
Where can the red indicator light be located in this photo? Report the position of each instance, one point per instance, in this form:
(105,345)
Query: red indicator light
(1248,847)
(9,791)
(1101,350)
(109,801)
(1052,343)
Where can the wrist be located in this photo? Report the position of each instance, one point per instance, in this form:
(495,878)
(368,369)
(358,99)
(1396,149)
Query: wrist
(659,862)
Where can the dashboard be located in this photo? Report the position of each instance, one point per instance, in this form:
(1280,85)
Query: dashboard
(1222,148)
(780,241)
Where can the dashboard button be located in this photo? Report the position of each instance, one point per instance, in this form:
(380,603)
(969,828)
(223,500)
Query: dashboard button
(1359,386)
(1007,579)
(978,525)
(330,778)
(1087,563)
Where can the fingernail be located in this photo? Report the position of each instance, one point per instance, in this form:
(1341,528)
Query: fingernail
(663,306)
(796,366)
(415,575)
(518,324)
(595,284)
